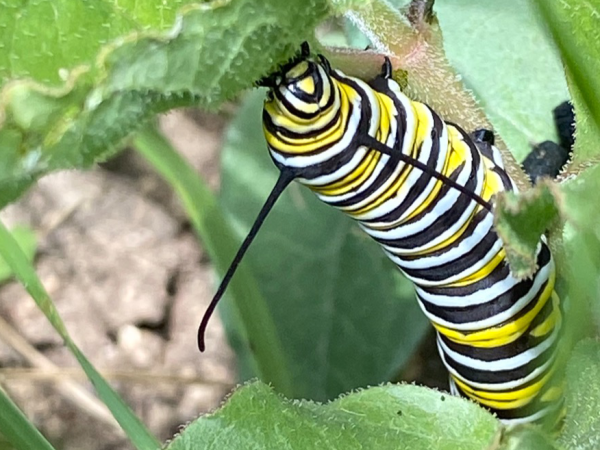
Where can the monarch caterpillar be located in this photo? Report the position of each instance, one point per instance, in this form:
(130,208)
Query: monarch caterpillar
(423,189)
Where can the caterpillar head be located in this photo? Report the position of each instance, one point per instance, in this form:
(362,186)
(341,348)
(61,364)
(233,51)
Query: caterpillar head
(304,102)
(301,94)
(301,91)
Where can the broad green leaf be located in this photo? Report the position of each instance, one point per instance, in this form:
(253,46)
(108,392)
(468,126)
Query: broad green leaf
(17,429)
(580,203)
(520,221)
(505,57)
(394,417)
(133,69)
(221,243)
(25,273)
(582,424)
(42,38)
(575,26)
(344,316)
(582,245)
(26,239)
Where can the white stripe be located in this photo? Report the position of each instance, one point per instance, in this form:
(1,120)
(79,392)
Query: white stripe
(477,298)
(459,276)
(406,147)
(498,365)
(403,190)
(466,245)
(366,184)
(531,418)
(497,157)
(496,319)
(447,202)
(301,161)
(282,120)
(493,387)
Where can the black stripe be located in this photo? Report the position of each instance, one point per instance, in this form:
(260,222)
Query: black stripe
(535,405)
(506,183)
(501,376)
(393,161)
(292,135)
(292,109)
(441,224)
(303,95)
(531,382)
(320,149)
(524,342)
(471,227)
(423,180)
(482,311)
(499,273)
(456,266)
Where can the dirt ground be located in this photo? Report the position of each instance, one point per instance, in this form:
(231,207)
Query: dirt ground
(131,282)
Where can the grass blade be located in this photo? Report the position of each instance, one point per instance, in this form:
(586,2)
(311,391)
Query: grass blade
(17,429)
(221,244)
(139,436)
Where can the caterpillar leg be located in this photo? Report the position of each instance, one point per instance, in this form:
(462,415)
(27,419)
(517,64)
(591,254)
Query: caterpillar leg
(545,160)
(483,136)
(548,158)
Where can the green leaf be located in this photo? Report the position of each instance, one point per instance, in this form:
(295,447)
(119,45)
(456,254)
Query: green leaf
(520,221)
(221,244)
(505,57)
(575,26)
(26,239)
(343,314)
(25,273)
(582,424)
(525,437)
(212,52)
(394,417)
(582,246)
(17,429)
(415,45)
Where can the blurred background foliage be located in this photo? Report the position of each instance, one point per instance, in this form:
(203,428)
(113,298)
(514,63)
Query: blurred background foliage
(315,309)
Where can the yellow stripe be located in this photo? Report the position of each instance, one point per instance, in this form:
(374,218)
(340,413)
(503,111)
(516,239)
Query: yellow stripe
(551,321)
(368,165)
(454,158)
(396,186)
(307,85)
(284,118)
(514,404)
(504,396)
(297,70)
(481,273)
(353,179)
(386,105)
(458,154)
(495,336)
(300,146)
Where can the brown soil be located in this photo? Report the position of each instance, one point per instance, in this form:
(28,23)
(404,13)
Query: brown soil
(131,281)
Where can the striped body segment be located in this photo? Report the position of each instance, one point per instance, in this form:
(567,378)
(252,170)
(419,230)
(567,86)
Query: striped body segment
(497,336)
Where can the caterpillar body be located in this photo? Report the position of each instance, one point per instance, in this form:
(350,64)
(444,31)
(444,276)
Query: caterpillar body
(423,189)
